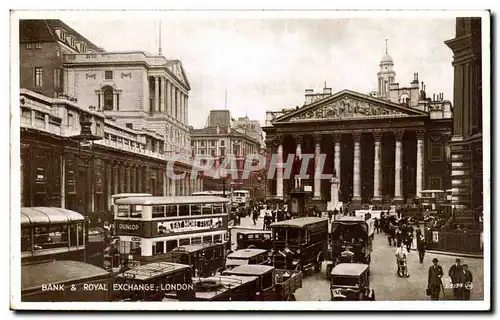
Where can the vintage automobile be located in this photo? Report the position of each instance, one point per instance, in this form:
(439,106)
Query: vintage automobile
(353,234)
(272,284)
(351,282)
(247,256)
(204,259)
(153,281)
(257,239)
(300,243)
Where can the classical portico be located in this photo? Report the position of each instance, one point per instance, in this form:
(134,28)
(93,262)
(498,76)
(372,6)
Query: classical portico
(375,147)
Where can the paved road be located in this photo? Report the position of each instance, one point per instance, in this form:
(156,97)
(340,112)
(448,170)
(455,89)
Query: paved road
(387,285)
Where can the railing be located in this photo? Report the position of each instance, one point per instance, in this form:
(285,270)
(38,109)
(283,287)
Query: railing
(455,241)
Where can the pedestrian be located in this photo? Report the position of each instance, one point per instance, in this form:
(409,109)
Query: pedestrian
(421,248)
(457,278)
(341,210)
(434,283)
(390,234)
(330,214)
(468,282)
(255,216)
(377,225)
(401,258)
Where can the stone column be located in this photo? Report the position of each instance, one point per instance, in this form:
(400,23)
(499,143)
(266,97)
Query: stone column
(398,162)
(129,179)
(115,180)
(377,163)
(178,104)
(298,155)
(165,183)
(140,174)
(336,160)
(172,187)
(279,167)
(168,104)
(317,169)
(420,163)
(157,94)
(186,115)
(356,185)
(162,95)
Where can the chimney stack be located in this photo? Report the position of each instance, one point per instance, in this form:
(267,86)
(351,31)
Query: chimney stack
(309,96)
(327,91)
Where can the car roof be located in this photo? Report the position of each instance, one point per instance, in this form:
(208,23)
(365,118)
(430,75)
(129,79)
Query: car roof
(59,271)
(246,253)
(349,269)
(298,222)
(250,269)
(152,270)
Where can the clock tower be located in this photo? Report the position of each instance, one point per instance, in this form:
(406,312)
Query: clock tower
(386,75)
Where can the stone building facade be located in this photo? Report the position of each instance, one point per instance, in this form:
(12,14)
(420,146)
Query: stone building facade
(467,140)
(384,148)
(137,104)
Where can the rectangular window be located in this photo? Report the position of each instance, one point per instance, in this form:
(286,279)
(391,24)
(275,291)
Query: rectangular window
(436,151)
(159,247)
(435,183)
(39,115)
(129,125)
(98,101)
(29,46)
(38,45)
(38,77)
(207,239)
(71,120)
(108,75)
(184,242)
(57,78)
(196,240)
(202,143)
(221,143)
(212,143)
(117,102)
(98,129)
(158,211)
(223,152)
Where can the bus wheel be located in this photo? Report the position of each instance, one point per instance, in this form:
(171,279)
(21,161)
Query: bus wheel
(317,267)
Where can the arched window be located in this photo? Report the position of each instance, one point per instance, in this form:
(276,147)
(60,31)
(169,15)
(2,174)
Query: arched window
(404,99)
(108,98)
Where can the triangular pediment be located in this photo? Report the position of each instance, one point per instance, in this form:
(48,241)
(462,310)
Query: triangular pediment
(178,71)
(349,105)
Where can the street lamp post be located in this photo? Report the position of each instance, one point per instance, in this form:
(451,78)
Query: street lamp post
(85,144)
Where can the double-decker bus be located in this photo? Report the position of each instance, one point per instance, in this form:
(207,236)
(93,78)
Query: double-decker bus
(240,198)
(150,227)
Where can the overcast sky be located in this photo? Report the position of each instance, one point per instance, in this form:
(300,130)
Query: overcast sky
(266,64)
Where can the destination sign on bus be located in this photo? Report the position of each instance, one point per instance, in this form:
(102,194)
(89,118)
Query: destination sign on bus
(166,227)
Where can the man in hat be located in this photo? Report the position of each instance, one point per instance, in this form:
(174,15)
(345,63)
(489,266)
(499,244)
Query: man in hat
(434,280)
(468,282)
(457,277)
(421,248)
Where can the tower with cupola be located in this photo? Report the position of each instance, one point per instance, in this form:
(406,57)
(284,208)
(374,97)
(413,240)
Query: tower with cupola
(386,75)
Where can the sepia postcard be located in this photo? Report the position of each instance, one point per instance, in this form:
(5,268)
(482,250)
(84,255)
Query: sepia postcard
(305,160)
